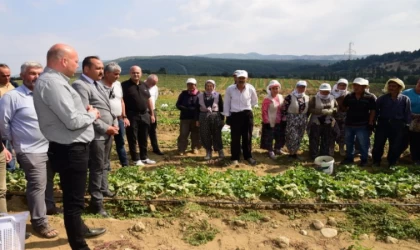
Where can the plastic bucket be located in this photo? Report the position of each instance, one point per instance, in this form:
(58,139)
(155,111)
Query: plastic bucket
(325,164)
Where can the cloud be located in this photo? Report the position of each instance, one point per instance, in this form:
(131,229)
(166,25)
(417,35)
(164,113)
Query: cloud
(3,7)
(127,33)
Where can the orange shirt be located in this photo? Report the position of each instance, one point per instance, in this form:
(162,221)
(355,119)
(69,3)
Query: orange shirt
(5,88)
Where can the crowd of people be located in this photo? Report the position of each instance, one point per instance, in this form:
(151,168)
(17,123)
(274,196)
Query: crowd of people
(56,127)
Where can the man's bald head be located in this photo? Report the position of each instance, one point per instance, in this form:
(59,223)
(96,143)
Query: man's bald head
(63,58)
(135,73)
(152,80)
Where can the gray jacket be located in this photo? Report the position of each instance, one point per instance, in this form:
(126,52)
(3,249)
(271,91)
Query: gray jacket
(98,97)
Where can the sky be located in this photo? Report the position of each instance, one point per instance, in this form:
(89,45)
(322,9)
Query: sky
(114,29)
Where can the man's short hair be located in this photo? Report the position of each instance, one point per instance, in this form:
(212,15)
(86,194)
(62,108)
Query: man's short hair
(153,77)
(27,65)
(87,61)
(112,67)
(3,65)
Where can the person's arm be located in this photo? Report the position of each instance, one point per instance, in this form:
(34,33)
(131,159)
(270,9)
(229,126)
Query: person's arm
(312,107)
(150,107)
(60,100)
(226,104)
(7,154)
(407,114)
(264,110)
(124,114)
(220,105)
(7,111)
(179,102)
(254,97)
(83,90)
(373,109)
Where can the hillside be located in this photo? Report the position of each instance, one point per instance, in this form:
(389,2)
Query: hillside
(257,56)
(377,68)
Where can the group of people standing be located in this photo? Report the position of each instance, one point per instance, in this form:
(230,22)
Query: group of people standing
(57,127)
(334,115)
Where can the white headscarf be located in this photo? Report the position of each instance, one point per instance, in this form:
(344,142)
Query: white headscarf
(338,92)
(298,84)
(271,84)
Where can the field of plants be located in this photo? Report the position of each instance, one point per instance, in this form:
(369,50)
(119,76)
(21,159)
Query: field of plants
(213,205)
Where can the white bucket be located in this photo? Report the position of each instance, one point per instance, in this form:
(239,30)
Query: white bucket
(325,164)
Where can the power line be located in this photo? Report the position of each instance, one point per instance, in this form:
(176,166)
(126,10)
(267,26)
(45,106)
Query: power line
(350,51)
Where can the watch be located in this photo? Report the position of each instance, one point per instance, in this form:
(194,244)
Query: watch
(124,116)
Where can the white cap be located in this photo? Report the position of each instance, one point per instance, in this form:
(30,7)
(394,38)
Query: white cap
(301,83)
(242,73)
(343,80)
(191,80)
(236,72)
(361,81)
(211,81)
(325,87)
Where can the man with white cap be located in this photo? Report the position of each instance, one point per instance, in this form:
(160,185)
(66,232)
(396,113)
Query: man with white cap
(188,102)
(360,117)
(239,101)
(393,112)
(321,125)
(339,91)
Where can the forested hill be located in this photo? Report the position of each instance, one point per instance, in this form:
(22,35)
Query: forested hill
(377,68)
(190,65)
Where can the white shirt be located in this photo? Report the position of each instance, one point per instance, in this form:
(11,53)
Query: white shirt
(115,97)
(154,93)
(237,101)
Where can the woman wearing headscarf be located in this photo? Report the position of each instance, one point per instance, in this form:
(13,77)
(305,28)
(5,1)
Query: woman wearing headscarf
(296,109)
(187,103)
(271,119)
(339,91)
(210,119)
(321,125)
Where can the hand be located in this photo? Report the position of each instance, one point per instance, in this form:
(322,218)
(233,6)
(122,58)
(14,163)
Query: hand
(197,124)
(95,112)
(8,155)
(371,127)
(209,110)
(126,122)
(112,130)
(326,112)
(89,107)
(152,119)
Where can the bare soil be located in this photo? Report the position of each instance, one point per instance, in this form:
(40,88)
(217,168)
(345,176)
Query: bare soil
(167,234)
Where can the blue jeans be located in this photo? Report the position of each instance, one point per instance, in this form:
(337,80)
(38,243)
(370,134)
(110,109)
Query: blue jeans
(362,135)
(11,166)
(119,143)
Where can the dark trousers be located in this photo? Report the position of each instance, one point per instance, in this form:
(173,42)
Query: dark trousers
(393,131)
(71,162)
(187,128)
(415,146)
(153,135)
(242,124)
(119,143)
(321,140)
(137,133)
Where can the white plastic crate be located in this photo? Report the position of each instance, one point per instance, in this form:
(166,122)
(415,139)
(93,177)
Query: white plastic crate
(12,231)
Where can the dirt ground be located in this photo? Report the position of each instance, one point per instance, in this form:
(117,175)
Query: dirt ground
(165,234)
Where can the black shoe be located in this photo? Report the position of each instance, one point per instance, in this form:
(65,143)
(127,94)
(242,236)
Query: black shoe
(252,162)
(363,163)
(158,152)
(100,211)
(376,164)
(294,156)
(347,162)
(27,235)
(108,194)
(54,211)
(93,232)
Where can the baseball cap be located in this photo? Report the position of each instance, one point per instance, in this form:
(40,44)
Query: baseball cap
(325,87)
(191,80)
